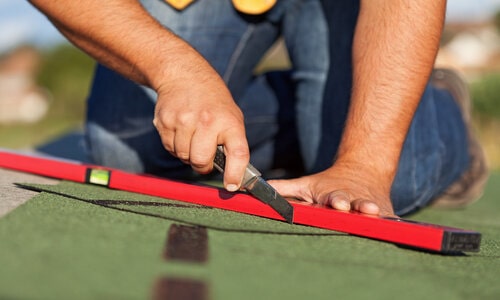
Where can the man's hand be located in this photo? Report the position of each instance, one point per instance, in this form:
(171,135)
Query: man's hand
(342,187)
(394,48)
(194,113)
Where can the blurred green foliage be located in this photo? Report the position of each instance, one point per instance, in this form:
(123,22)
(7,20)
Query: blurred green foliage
(486,96)
(66,73)
(496,20)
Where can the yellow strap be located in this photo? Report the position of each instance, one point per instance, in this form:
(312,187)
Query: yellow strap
(251,7)
(179,4)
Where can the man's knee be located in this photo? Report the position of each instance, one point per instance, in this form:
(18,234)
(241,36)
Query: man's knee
(419,177)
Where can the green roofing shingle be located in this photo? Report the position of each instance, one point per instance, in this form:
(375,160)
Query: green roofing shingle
(73,242)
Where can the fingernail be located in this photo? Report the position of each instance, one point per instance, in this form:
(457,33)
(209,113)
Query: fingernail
(341,204)
(339,200)
(232,187)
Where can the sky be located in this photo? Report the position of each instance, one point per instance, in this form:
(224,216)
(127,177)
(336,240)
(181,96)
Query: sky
(21,23)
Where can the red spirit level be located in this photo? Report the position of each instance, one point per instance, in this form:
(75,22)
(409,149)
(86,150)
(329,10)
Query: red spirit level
(395,230)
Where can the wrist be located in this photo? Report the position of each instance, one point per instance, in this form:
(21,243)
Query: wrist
(380,167)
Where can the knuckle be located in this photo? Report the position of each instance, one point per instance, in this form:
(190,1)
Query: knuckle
(157,123)
(240,153)
(240,116)
(182,155)
(168,147)
(185,118)
(200,161)
(206,118)
(202,170)
(162,121)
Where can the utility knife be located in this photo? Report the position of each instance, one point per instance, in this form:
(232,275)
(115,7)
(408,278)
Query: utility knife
(254,184)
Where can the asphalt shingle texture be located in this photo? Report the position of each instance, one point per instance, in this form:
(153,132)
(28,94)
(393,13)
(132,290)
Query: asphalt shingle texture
(75,241)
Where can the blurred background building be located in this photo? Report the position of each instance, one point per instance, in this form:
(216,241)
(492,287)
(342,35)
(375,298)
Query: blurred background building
(21,99)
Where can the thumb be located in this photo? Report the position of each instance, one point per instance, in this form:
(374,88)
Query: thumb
(293,188)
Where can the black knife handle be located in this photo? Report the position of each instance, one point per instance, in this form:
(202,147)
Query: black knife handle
(220,159)
(220,164)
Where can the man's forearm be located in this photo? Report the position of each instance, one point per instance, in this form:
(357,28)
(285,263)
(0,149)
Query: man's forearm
(394,49)
(119,34)
(191,120)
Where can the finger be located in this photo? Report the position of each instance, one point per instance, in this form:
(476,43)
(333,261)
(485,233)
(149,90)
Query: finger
(166,136)
(182,143)
(292,188)
(365,207)
(203,145)
(237,159)
(339,200)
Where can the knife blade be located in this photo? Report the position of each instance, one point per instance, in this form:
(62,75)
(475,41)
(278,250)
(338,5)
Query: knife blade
(258,187)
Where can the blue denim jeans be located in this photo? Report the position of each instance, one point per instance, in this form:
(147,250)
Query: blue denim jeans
(293,119)
(120,112)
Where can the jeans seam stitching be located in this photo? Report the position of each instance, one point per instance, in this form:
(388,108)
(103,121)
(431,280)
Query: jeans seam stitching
(237,52)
